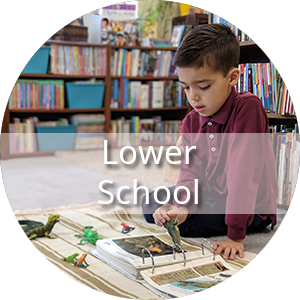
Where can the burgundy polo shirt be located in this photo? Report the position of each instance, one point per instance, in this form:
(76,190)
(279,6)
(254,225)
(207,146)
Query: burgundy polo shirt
(233,162)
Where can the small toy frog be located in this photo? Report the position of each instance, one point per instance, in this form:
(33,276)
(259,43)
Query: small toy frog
(71,258)
(174,232)
(90,235)
(81,261)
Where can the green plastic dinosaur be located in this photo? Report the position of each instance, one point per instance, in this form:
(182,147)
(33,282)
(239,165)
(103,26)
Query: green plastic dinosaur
(90,235)
(39,229)
(174,232)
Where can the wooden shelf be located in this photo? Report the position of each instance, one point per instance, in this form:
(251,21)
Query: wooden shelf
(73,43)
(281,117)
(61,76)
(146,78)
(55,111)
(31,154)
(148,109)
(248,44)
(144,48)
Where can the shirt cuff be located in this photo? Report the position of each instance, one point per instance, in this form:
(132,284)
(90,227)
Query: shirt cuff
(235,233)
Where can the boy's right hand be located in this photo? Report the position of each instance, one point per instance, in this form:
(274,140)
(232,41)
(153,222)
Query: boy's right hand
(167,212)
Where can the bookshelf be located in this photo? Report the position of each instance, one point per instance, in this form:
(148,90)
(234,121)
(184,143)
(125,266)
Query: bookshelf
(250,52)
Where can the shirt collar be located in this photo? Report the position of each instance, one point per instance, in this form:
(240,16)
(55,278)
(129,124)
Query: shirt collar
(223,114)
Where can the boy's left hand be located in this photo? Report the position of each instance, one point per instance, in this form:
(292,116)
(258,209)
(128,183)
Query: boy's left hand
(229,248)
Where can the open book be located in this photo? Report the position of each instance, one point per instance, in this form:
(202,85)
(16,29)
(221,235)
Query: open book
(153,259)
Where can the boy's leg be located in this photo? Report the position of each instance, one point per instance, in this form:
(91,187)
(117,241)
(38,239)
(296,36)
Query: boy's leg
(203,225)
(258,224)
(149,209)
(206,225)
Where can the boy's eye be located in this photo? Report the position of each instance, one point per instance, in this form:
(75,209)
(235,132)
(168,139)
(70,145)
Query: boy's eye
(185,87)
(204,88)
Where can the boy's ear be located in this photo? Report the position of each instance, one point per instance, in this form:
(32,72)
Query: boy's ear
(234,75)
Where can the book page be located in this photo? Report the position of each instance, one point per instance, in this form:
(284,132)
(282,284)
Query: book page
(179,280)
(130,249)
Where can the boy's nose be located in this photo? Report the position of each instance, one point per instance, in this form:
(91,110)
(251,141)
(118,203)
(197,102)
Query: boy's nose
(194,96)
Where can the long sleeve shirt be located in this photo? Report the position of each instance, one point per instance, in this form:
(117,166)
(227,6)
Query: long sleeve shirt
(234,158)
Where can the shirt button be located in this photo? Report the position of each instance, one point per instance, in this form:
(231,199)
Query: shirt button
(209,123)
(213,149)
(211,136)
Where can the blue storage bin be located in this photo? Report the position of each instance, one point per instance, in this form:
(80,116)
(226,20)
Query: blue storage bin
(51,138)
(38,63)
(85,95)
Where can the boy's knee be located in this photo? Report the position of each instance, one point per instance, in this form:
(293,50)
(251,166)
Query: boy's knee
(149,218)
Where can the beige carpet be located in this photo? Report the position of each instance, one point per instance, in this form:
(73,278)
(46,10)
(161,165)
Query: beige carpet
(98,275)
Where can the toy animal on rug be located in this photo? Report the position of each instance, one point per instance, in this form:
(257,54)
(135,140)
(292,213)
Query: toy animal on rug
(126,228)
(174,232)
(80,262)
(90,235)
(71,258)
(34,229)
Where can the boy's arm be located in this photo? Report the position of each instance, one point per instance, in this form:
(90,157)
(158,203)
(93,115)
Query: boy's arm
(247,154)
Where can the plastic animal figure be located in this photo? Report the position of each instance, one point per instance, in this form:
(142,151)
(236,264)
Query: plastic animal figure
(80,262)
(90,235)
(71,258)
(174,231)
(126,228)
(38,229)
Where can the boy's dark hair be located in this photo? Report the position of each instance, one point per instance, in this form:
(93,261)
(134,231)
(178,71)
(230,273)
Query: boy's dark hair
(211,44)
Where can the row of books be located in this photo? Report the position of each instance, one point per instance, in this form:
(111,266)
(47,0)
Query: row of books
(21,136)
(149,94)
(139,63)
(37,94)
(286,146)
(145,131)
(263,80)
(89,134)
(240,35)
(77,60)
(90,131)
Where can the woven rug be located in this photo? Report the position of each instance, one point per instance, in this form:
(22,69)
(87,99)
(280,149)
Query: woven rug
(98,275)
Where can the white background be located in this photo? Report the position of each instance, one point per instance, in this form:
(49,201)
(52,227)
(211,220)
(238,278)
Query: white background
(25,26)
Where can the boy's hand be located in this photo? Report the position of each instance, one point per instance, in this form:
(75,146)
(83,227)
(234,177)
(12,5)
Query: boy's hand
(167,212)
(229,248)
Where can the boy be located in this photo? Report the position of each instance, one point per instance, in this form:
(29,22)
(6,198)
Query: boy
(226,137)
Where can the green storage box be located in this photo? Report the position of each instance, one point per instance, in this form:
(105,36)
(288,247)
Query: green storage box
(80,96)
(51,138)
(38,64)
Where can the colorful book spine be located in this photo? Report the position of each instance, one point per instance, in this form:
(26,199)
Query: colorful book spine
(37,94)
(240,35)
(139,131)
(139,63)
(264,81)
(151,94)
(77,60)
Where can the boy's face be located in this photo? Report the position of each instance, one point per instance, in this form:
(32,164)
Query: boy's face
(206,89)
